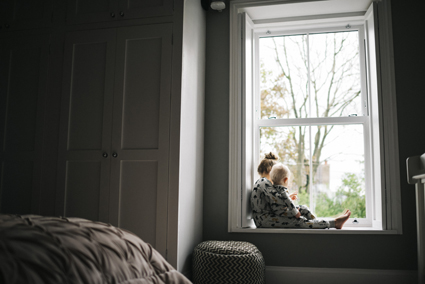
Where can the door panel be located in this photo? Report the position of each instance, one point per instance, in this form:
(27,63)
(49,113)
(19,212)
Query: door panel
(83,189)
(23,79)
(21,111)
(27,14)
(86,122)
(142,88)
(141,102)
(83,11)
(16,195)
(87,96)
(5,10)
(140,135)
(145,8)
(138,188)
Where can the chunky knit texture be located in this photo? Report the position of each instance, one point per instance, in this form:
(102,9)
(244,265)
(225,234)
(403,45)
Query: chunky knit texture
(230,262)
(36,249)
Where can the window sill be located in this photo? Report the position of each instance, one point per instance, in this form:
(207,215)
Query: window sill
(343,231)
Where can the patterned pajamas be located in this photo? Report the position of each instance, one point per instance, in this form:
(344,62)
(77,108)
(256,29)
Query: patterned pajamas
(273,208)
(305,212)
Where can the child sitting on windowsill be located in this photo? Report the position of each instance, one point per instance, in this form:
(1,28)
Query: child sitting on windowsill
(273,206)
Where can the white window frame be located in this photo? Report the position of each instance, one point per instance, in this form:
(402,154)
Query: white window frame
(384,216)
(362,119)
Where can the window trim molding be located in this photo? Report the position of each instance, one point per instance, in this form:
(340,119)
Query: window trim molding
(388,121)
(390,170)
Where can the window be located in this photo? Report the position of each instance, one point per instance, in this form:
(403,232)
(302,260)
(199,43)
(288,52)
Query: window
(310,88)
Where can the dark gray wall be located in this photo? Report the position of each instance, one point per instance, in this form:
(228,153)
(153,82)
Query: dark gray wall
(333,251)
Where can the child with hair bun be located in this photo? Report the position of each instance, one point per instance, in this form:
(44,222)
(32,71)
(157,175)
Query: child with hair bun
(272,205)
(267,164)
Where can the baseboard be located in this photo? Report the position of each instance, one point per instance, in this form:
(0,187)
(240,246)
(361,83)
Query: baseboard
(309,275)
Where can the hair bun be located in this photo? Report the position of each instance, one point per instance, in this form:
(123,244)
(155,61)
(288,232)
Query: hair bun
(271,156)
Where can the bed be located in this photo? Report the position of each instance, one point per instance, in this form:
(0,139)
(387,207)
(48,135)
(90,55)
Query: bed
(38,249)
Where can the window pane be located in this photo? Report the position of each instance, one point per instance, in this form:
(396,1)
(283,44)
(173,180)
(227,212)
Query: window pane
(338,170)
(335,74)
(337,165)
(292,145)
(283,77)
(334,88)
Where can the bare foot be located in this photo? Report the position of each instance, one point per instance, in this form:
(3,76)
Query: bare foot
(343,214)
(340,221)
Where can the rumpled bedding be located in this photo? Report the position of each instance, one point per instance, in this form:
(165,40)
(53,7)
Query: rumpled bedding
(37,249)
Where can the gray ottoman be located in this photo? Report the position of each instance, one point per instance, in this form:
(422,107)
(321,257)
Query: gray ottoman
(219,262)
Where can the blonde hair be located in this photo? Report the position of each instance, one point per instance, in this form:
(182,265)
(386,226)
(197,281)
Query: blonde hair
(278,173)
(267,163)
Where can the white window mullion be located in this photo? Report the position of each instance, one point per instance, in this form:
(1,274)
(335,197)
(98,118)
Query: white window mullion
(308,76)
(370,198)
(310,112)
(310,180)
(363,72)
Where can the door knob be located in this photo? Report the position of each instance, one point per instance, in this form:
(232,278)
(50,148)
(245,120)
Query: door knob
(122,14)
(112,14)
(105,155)
(114,155)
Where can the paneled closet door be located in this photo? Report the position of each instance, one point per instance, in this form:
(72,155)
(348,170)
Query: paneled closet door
(132,9)
(86,122)
(93,11)
(25,14)
(23,79)
(140,145)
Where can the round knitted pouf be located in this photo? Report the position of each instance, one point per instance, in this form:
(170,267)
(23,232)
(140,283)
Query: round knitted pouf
(218,262)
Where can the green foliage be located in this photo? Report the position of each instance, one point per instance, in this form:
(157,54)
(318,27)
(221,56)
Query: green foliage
(303,198)
(350,195)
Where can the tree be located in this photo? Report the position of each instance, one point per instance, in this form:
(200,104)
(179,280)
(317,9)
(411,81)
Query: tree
(350,194)
(322,81)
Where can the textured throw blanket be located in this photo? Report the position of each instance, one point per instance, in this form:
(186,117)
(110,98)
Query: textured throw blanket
(36,249)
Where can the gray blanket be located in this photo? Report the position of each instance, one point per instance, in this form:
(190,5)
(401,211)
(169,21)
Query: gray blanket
(36,249)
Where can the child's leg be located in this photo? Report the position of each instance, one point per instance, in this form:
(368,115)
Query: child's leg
(305,212)
(273,221)
(314,224)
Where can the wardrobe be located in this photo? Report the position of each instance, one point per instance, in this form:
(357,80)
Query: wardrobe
(91,100)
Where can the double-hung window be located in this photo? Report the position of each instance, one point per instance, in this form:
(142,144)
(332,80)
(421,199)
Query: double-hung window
(308,86)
